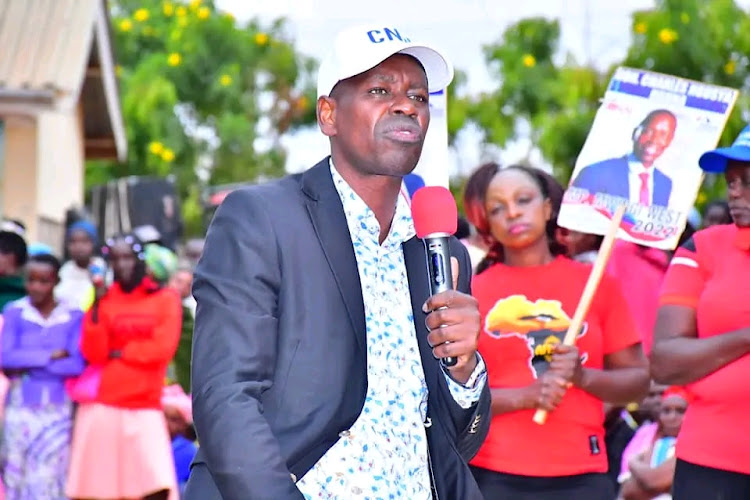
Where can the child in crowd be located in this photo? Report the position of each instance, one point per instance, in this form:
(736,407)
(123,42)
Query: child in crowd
(650,473)
(179,414)
(75,275)
(40,339)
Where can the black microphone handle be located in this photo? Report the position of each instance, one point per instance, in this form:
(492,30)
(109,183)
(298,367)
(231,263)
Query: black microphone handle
(441,274)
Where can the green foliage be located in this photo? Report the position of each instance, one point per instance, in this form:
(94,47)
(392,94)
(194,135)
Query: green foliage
(555,101)
(704,40)
(196,88)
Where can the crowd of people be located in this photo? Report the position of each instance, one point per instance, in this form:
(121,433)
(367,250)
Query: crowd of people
(529,275)
(95,358)
(314,355)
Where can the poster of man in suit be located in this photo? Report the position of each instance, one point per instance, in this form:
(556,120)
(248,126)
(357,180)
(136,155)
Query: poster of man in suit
(636,175)
(642,151)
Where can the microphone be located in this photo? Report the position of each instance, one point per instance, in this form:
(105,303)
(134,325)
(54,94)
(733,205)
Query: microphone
(435,216)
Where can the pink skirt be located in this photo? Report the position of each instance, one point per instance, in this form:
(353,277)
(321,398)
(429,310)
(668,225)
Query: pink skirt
(120,453)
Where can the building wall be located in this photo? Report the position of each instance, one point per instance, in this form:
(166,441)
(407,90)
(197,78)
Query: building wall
(42,172)
(61,170)
(19,171)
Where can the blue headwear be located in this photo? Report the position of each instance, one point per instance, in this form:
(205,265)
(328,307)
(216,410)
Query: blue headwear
(40,249)
(86,226)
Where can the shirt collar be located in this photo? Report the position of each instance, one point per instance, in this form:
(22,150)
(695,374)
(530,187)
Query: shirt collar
(60,314)
(637,167)
(361,219)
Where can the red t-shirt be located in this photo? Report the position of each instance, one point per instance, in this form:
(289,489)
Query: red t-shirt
(145,326)
(524,310)
(711,274)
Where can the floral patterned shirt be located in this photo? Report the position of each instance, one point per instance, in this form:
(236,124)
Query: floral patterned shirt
(384,454)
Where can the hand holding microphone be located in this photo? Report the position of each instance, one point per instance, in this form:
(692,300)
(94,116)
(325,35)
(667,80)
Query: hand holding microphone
(453,317)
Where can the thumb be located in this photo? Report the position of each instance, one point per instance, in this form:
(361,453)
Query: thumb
(454,271)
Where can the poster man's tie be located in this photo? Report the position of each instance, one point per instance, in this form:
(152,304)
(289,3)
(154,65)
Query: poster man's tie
(645,199)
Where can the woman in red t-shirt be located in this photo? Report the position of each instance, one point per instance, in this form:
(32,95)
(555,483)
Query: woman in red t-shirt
(121,447)
(527,293)
(702,340)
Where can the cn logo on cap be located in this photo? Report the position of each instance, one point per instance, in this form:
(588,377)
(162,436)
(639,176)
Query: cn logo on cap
(386,34)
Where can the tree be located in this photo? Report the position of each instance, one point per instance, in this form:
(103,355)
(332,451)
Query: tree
(555,99)
(701,40)
(204,98)
(554,102)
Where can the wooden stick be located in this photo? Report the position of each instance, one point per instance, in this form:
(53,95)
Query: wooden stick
(589,290)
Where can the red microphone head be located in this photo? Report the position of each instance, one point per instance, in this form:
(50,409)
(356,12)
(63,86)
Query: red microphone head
(434,211)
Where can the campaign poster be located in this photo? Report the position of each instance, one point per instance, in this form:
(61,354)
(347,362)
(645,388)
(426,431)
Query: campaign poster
(433,166)
(643,151)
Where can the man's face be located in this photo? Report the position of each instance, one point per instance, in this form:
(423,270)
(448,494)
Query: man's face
(655,136)
(652,402)
(738,192)
(377,120)
(80,247)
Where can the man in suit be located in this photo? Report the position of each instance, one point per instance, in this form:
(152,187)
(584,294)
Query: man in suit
(634,175)
(316,350)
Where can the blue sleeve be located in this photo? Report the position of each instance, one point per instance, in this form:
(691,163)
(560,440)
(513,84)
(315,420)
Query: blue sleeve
(184,452)
(74,363)
(12,355)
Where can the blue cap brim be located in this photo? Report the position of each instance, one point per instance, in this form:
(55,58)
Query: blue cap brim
(715,161)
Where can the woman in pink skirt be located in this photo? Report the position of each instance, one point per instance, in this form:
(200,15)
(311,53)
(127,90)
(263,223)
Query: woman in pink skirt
(121,446)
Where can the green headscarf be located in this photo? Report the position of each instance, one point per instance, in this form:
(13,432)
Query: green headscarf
(161,261)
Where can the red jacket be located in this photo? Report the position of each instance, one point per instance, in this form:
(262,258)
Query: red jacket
(144,326)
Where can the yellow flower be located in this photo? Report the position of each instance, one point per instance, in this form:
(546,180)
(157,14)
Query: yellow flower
(194,4)
(204,13)
(701,198)
(181,11)
(667,35)
(730,67)
(261,38)
(118,70)
(126,25)
(141,15)
(182,22)
(528,60)
(685,18)
(174,59)
(302,103)
(167,155)
(156,147)
(640,28)
(225,80)
(168,9)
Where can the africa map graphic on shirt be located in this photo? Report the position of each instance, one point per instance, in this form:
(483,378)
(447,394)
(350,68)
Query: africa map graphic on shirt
(541,324)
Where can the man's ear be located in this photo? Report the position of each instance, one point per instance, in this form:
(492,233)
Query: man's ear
(326,111)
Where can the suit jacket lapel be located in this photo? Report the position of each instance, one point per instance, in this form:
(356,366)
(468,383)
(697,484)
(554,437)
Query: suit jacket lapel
(415,260)
(328,219)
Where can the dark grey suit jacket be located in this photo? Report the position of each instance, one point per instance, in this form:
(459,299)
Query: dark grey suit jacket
(279,349)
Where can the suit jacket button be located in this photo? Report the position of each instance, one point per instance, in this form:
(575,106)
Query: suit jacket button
(294,478)
(344,434)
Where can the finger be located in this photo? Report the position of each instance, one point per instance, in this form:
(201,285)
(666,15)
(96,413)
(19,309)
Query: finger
(562,365)
(449,298)
(452,349)
(453,316)
(454,272)
(453,333)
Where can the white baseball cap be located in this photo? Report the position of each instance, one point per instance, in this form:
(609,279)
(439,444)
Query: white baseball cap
(360,48)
